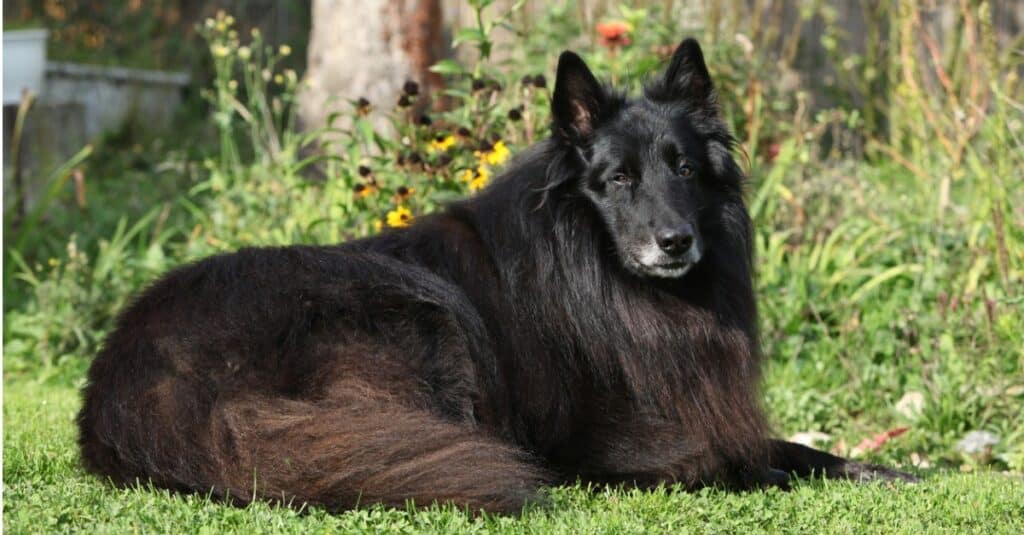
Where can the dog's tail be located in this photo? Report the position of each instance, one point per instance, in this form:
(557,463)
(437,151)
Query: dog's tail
(338,454)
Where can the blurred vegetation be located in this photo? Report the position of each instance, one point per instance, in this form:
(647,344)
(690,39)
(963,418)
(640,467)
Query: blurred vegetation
(146,34)
(890,224)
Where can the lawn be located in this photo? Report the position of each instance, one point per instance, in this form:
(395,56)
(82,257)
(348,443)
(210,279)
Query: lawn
(46,490)
(890,268)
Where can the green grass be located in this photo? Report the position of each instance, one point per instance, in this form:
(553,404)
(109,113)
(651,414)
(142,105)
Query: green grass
(45,490)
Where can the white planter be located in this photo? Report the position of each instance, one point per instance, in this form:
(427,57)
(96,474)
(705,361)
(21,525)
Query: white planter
(24,63)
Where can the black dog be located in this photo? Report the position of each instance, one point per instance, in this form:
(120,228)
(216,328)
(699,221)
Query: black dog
(590,316)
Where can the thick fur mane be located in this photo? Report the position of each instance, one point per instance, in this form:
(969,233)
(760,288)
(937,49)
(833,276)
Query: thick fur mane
(681,349)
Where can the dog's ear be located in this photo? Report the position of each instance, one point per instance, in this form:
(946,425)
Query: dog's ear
(687,77)
(577,101)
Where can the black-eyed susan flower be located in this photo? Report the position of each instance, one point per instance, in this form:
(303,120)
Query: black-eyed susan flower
(476,178)
(483,176)
(497,155)
(363,107)
(442,143)
(364,190)
(399,217)
(402,193)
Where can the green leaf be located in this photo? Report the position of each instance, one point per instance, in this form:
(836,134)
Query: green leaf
(448,66)
(469,35)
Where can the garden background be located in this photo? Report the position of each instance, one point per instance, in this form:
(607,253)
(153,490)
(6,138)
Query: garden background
(884,143)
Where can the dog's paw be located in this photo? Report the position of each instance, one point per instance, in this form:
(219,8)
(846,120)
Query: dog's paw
(865,473)
(776,478)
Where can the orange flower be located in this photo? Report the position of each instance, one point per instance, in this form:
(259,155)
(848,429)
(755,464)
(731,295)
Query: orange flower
(403,193)
(614,33)
(364,190)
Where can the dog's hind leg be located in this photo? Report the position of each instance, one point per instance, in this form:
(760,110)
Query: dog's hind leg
(363,450)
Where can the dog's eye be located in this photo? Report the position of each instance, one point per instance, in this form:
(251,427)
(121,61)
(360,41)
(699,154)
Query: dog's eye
(684,169)
(622,178)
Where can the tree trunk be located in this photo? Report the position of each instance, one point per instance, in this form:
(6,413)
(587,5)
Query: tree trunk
(369,49)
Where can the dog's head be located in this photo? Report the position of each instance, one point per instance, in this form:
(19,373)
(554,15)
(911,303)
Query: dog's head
(654,168)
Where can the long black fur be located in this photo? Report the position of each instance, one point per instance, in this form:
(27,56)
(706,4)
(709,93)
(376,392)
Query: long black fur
(486,351)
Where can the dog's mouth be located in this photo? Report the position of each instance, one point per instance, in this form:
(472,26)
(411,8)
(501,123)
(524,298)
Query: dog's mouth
(666,270)
(650,261)
(674,270)
(673,265)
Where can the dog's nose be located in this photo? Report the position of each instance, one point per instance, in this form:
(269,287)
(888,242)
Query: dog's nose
(675,242)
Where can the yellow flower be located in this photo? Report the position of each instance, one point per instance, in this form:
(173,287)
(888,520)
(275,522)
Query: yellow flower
(478,183)
(278,79)
(378,225)
(220,51)
(441,145)
(244,53)
(285,50)
(498,154)
(233,85)
(399,217)
(480,178)
(466,176)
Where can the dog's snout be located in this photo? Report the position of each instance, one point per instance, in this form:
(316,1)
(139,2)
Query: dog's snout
(675,241)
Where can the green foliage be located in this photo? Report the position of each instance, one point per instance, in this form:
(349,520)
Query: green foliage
(144,34)
(890,245)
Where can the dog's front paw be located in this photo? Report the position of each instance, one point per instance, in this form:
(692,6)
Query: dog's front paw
(864,473)
(776,478)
